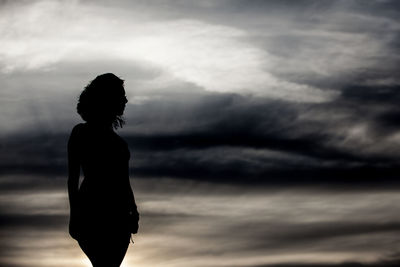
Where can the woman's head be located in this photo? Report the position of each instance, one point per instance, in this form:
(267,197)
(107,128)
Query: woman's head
(103,101)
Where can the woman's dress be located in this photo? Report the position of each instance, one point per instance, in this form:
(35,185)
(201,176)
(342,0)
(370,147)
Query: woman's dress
(104,197)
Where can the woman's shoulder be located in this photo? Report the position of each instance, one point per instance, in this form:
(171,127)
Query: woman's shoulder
(78,130)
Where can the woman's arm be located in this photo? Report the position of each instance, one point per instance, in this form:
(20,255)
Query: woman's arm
(73,168)
(133,207)
(73,179)
(133,212)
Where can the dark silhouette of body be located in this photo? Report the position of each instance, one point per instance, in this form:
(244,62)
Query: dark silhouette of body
(103,212)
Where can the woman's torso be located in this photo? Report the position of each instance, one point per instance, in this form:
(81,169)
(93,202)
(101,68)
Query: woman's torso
(104,158)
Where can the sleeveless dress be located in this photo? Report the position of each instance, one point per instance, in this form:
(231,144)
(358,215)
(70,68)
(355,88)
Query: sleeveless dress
(104,196)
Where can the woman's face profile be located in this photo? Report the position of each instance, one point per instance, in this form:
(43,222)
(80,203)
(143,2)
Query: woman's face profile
(121,101)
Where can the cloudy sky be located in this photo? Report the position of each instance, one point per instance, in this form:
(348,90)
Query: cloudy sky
(262,133)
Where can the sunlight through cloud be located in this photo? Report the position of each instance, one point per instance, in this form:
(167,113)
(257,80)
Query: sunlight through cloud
(214,57)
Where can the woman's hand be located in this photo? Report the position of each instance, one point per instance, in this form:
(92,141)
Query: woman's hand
(133,221)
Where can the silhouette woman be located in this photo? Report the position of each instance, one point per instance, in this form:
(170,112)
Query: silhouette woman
(103,212)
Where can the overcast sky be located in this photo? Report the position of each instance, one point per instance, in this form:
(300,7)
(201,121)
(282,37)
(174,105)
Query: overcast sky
(273,120)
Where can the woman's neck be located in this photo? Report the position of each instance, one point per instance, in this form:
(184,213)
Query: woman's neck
(101,126)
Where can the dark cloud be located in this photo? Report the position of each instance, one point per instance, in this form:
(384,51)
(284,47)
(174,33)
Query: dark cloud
(389,120)
(33,222)
(383,263)
(294,235)
(372,95)
(222,137)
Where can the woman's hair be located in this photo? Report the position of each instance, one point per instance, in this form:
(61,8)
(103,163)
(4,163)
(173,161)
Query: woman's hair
(103,100)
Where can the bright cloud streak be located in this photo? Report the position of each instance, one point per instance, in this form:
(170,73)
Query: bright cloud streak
(214,57)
